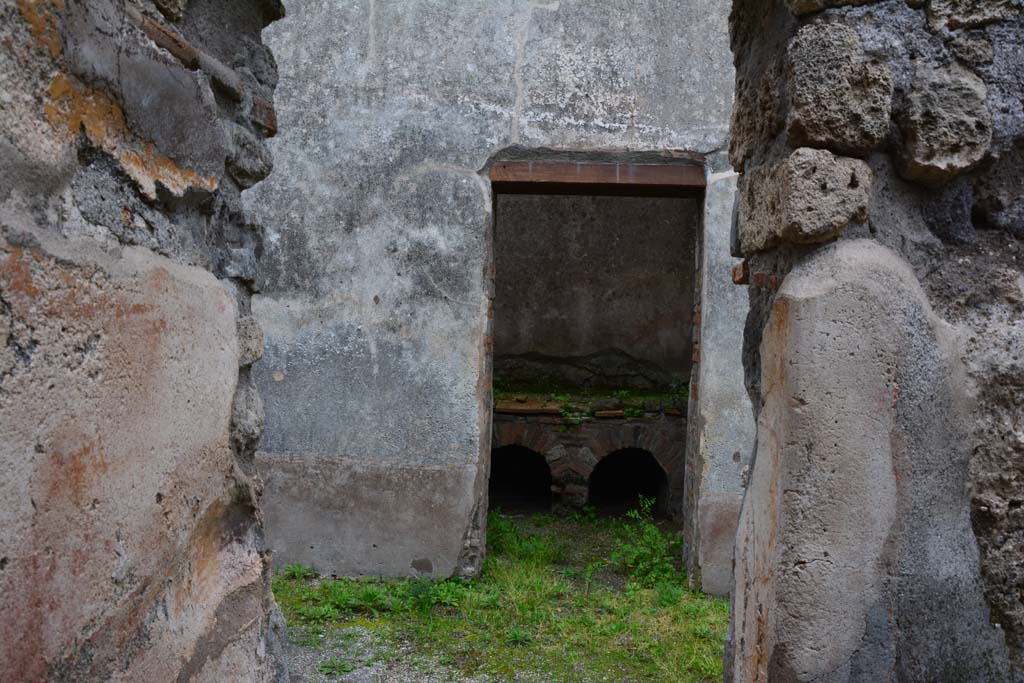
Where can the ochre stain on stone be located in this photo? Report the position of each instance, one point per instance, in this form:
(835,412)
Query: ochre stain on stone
(80,462)
(42,22)
(16,274)
(76,108)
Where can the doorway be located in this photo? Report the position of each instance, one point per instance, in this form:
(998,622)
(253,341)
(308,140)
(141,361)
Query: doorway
(595,283)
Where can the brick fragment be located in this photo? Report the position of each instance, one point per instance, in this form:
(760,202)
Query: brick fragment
(263,115)
(741,273)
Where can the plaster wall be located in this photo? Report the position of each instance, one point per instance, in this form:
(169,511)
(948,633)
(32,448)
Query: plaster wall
(376,291)
(722,431)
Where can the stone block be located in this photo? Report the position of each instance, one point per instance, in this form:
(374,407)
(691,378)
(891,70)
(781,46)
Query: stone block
(971,48)
(250,340)
(955,14)
(249,160)
(809,197)
(837,99)
(717,515)
(722,424)
(855,557)
(114,425)
(163,101)
(946,124)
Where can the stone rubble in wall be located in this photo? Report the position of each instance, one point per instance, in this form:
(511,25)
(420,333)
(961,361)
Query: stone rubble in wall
(929,93)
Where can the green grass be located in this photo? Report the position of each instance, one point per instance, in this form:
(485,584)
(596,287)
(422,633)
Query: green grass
(575,599)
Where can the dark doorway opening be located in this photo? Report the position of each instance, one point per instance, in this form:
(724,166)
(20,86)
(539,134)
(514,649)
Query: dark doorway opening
(520,480)
(619,480)
(595,281)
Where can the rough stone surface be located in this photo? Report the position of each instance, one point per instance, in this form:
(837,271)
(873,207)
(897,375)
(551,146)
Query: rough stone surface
(376,290)
(980,288)
(99,532)
(250,340)
(1004,79)
(812,196)
(999,193)
(172,9)
(944,197)
(946,125)
(837,99)
(971,48)
(948,214)
(954,14)
(855,556)
(760,31)
(131,547)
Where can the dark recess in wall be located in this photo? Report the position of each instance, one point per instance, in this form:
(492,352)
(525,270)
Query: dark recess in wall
(520,480)
(619,480)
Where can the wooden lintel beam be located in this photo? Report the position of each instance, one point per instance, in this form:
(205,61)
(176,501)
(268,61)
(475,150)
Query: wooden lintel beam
(535,177)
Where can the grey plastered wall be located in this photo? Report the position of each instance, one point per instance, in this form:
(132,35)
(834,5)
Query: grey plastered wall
(375,285)
(722,429)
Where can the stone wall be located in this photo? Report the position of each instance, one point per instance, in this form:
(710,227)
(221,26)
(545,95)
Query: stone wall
(376,296)
(881,216)
(131,546)
(578,275)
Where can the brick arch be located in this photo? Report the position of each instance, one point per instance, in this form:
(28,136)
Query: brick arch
(572,454)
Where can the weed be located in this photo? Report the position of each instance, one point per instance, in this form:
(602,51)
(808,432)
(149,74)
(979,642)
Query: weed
(420,594)
(669,594)
(336,667)
(645,551)
(317,613)
(448,593)
(588,574)
(588,513)
(633,412)
(680,389)
(298,571)
(517,636)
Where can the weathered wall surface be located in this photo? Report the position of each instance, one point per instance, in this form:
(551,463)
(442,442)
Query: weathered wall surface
(131,547)
(880,538)
(575,275)
(721,436)
(375,300)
